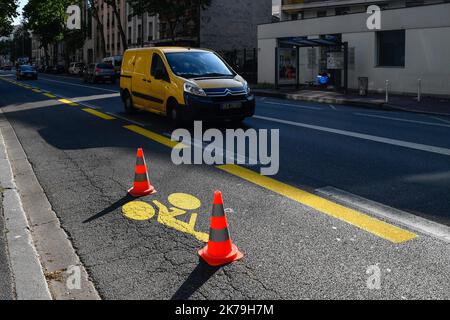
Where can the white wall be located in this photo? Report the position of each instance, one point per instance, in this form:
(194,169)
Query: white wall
(427,58)
(266,58)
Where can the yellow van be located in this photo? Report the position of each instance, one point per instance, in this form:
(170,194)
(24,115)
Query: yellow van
(184,84)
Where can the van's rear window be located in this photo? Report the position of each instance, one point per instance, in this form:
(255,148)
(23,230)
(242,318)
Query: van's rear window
(105,66)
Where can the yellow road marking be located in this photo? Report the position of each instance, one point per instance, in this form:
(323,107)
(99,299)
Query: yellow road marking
(181,203)
(50,95)
(138,210)
(184,201)
(353,217)
(36,90)
(65,101)
(98,114)
(154,136)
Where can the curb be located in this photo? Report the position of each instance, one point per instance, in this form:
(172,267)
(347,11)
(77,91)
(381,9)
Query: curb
(28,277)
(365,104)
(394,107)
(56,272)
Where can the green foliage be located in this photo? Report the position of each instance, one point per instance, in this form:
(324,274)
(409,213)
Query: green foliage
(46,19)
(8,11)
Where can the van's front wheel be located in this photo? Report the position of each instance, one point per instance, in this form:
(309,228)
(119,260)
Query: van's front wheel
(173,113)
(128,103)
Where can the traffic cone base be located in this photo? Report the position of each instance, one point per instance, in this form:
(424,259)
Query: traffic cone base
(144,193)
(213,261)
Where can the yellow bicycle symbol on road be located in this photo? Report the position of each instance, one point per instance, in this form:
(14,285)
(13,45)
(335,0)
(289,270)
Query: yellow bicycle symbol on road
(181,203)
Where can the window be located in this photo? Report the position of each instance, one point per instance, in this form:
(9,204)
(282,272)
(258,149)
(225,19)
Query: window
(391,48)
(321,13)
(158,67)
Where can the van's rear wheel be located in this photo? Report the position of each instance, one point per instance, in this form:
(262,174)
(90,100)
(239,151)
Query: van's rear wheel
(128,103)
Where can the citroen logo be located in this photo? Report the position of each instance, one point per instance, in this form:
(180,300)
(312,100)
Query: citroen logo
(227,92)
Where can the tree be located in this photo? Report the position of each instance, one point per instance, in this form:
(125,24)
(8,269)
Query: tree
(171,11)
(94,8)
(47,20)
(8,11)
(21,44)
(115,5)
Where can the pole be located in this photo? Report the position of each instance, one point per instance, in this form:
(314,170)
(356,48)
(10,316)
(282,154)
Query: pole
(346,67)
(387,91)
(419,90)
(142,23)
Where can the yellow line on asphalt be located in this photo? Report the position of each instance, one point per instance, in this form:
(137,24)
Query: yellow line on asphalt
(50,95)
(68,102)
(155,137)
(377,227)
(36,90)
(99,114)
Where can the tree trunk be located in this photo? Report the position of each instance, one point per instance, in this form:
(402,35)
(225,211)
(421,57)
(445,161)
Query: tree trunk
(47,56)
(100,28)
(173,27)
(119,26)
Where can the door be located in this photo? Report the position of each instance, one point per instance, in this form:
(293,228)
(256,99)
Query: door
(141,81)
(159,83)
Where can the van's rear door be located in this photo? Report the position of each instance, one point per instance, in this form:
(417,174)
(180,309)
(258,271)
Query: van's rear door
(140,80)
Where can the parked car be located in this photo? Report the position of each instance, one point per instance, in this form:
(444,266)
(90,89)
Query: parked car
(184,84)
(76,68)
(59,69)
(115,61)
(102,72)
(26,72)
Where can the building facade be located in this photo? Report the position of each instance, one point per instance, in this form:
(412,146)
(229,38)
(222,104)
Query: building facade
(225,26)
(141,30)
(408,45)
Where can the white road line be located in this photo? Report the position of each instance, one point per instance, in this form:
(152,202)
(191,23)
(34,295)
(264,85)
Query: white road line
(333,107)
(440,119)
(403,120)
(80,85)
(394,142)
(406,219)
(293,105)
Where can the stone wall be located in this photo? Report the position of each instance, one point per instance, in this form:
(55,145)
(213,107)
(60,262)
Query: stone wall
(232,24)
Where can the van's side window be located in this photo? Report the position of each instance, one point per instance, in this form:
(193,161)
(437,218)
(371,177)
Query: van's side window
(158,68)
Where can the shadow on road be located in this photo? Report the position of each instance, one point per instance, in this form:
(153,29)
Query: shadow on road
(116,205)
(201,274)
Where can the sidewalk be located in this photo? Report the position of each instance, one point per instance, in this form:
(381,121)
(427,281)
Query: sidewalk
(6,286)
(434,106)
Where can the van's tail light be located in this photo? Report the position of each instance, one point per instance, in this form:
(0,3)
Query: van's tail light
(97,70)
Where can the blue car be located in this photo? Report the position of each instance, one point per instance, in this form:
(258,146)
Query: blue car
(26,72)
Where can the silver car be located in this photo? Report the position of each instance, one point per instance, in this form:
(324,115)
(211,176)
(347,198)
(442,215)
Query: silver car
(99,72)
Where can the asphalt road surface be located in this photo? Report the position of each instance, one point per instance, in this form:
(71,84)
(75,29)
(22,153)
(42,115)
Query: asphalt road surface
(379,166)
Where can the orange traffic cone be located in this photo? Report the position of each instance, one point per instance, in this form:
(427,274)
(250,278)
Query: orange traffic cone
(220,249)
(141,186)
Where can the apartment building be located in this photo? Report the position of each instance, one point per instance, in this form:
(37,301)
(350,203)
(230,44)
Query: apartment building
(141,30)
(334,37)
(113,39)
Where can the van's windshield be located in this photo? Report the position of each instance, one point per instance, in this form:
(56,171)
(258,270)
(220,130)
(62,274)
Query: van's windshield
(198,65)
